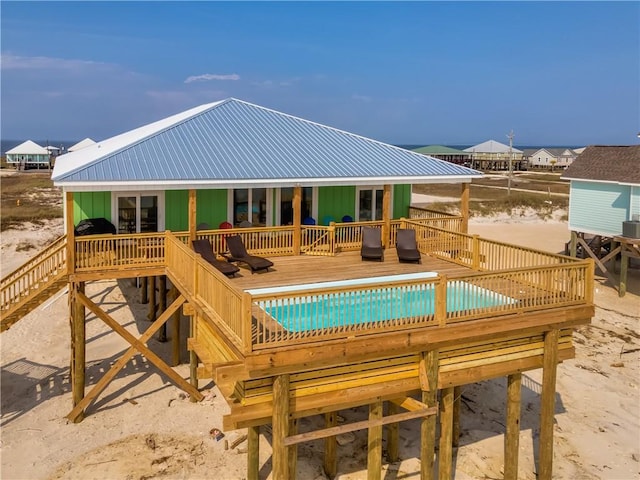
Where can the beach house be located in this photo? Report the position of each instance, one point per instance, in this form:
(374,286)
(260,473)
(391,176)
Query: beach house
(28,155)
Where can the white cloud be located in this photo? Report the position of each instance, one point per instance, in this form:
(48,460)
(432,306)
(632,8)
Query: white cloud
(211,76)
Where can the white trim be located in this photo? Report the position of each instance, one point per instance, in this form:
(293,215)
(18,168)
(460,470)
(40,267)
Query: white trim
(590,180)
(259,183)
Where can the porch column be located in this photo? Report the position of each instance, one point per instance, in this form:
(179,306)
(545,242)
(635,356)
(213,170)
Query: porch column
(547,409)
(464,206)
(192,216)
(445,452)
(297,219)
(69,228)
(386,215)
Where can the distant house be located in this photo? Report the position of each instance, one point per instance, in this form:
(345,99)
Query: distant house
(492,155)
(449,154)
(81,144)
(551,158)
(28,155)
(605,189)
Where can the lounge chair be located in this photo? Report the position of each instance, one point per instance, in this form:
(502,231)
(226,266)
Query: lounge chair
(371,244)
(205,249)
(238,253)
(406,246)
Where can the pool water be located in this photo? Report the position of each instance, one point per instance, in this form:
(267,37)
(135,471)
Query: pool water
(314,312)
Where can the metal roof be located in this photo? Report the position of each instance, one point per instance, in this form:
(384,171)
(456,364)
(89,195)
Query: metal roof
(235,143)
(491,146)
(440,150)
(28,148)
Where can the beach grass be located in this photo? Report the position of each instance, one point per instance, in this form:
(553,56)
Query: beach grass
(28,197)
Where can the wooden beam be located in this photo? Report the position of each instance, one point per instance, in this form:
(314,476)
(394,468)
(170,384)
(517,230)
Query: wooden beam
(512,434)
(445,452)
(78,346)
(429,384)
(386,215)
(293,449)
(253,453)
(162,305)
(192,216)
(297,219)
(70,232)
(409,403)
(374,443)
(330,446)
(280,427)
(457,400)
(110,375)
(464,206)
(547,409)
(352,427)
(393,434)
(175,339)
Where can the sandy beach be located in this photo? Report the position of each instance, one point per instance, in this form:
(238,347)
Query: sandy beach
(144,427)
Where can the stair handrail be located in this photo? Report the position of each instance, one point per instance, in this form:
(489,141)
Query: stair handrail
(48,251)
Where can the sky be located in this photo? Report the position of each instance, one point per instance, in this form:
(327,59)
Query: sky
(419,73)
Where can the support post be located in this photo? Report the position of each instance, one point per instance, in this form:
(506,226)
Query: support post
(293,449)
(192,216)
(144,286)
(162,306)
(393,435)
(464,206)
(386,215)
(69,230)
(624,269)
(445,452)
(547,409)
(193,360)
(330,446)
(573,244)
(457,401)
(253,453)
(374,458)
(175,340)
(428,371)
(152,299)
(512,434)
(297,219)
(280,427)
(78,346)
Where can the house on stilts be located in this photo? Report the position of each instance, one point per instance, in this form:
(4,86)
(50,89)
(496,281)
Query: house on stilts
(322,330)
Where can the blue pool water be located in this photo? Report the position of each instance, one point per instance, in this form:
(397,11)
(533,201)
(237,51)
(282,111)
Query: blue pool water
(313,312)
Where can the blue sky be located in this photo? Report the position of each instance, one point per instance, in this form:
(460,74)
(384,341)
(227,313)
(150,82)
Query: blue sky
(557,73)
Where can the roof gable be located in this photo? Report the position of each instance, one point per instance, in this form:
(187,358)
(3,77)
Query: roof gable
(237,142)
(81,144)
(28,148)
(491,146)
(620,164)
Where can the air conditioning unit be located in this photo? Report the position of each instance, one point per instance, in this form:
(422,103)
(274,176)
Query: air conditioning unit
(631,229)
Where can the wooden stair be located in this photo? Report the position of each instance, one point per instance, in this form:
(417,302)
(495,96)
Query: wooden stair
(33,283)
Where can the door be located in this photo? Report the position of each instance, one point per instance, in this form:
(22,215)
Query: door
(138,213)
(370,204)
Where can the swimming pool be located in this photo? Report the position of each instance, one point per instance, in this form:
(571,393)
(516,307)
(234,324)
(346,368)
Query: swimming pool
(370,305)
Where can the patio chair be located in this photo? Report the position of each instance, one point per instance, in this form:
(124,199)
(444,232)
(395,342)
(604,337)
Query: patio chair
(406,246)
(205,249)
(238,253)
(371,244)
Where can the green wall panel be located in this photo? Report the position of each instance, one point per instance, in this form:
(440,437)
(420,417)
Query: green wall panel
(401,201)
(336,202)
(91,205)
(176,207)
(211,207)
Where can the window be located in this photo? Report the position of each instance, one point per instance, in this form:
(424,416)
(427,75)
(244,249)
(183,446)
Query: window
(249,205)
(369,206)
(286,205)
(139,212)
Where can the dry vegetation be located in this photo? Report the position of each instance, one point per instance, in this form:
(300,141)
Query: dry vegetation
(28,197)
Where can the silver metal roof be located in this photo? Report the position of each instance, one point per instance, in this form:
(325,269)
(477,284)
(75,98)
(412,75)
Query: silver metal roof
(232,143)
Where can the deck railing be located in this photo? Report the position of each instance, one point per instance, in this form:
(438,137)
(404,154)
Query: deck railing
(317,315)
(35,274)
(262,241)
(118,252)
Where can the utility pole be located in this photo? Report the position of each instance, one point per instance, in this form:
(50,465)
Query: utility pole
(510,136)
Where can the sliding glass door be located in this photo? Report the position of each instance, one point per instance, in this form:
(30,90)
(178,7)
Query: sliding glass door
(138,212)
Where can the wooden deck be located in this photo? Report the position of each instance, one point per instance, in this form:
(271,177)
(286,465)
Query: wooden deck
(296,270)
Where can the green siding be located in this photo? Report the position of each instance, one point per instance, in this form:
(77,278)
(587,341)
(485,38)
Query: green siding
(91,205)
(598,208)
(336,202)
(401,201)
(211,208)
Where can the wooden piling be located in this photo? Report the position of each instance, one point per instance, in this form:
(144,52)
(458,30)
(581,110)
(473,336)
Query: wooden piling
(144,286)
(162,306)
(175,326)
(445,451)
(78,346)
(280,427)
(512,434)
(152,299)
(428,371)
(330,446)
(293,449)
(457,400)
(547,409)
(253,453)
(193,360)
(393,432)
(374,458)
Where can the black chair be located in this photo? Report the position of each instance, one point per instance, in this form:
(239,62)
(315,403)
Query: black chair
(205,249)
(238,253)
(406,246)
(371,244)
